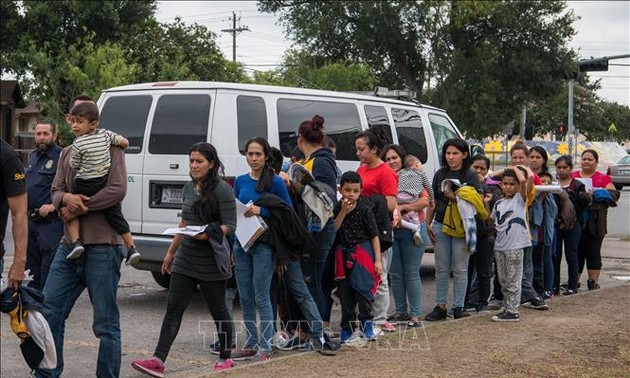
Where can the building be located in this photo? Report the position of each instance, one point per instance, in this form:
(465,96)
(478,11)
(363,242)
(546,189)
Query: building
(11,99)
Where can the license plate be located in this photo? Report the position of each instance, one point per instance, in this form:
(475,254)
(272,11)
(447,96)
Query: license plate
(172,195)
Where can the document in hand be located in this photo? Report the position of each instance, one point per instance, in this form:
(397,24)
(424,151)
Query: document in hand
(188,230)
(248,230)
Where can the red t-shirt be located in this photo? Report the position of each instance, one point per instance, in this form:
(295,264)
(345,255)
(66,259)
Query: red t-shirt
(378,180)
(600,180)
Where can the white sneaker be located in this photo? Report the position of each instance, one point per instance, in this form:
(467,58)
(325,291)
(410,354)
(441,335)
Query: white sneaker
(356,339)
(417,239)
(378,331)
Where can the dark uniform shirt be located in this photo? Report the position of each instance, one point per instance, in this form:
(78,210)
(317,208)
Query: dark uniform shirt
(40,173)
(11,183)
(358,226)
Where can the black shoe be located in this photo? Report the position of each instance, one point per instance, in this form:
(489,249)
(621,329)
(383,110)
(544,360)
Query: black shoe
(482,309)
(399,319)
(460,312)
(438,313)
(325,346)
(77,251)
(216,347)
(537,304)
(569,292)
(506,317)
(592,285)
(133,257)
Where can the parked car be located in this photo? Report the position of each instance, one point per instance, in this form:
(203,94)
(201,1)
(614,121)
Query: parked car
(620,173)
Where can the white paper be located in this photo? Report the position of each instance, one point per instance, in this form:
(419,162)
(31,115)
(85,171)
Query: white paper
(548,188)
(188,230)
(588,182)
(248,229)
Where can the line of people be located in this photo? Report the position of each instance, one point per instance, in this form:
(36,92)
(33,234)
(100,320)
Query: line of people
(371,240)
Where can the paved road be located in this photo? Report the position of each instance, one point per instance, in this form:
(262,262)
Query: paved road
(142,305)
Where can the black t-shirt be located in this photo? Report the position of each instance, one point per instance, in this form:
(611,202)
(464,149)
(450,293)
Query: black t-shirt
(358,226)
(13,183)
(469,178)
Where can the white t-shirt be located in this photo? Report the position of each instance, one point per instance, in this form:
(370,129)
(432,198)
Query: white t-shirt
(509,215)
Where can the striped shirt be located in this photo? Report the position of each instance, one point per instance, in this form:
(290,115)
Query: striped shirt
(90,153)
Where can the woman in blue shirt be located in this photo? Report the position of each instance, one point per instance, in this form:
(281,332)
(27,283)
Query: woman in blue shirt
(254,268)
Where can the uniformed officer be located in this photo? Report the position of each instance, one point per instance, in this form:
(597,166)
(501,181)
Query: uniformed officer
(45,227)
(13,197)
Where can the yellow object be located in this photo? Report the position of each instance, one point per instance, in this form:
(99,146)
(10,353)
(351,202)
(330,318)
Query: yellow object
(17,321)
(453,225)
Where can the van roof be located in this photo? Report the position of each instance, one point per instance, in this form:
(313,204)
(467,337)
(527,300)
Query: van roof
(175,85)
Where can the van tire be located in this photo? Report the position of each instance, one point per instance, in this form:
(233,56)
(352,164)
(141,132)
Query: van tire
(163,280)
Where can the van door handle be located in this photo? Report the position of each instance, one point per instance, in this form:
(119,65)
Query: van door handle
(174,166)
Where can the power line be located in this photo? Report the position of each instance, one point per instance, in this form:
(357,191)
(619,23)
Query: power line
(234,30)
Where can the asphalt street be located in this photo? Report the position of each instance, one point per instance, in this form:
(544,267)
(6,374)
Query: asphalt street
(142,305)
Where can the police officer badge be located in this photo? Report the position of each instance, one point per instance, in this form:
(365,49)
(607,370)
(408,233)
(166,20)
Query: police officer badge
(49,164)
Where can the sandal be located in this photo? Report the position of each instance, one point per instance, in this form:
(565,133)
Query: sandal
(415,323)
(398,318)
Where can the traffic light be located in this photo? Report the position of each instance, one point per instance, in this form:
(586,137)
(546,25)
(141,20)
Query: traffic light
(594,65)
(561,129)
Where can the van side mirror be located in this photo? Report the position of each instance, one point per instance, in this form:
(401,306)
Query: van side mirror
(476,149)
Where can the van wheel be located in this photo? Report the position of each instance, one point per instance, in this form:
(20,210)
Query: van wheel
(163,280)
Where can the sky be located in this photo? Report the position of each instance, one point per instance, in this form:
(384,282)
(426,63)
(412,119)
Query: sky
(602,30)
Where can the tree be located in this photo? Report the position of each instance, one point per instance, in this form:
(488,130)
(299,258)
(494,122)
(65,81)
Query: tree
(504,55)
(388,37)
(178,51)
(486,59)
(83,68)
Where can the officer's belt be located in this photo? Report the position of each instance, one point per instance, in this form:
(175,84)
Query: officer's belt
(33,214)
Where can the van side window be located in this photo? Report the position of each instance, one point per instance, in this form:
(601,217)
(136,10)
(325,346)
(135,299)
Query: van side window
(376,115)
(342,123)
(443,130)
(179,122)
(252,119)
(410,132)
(127,115)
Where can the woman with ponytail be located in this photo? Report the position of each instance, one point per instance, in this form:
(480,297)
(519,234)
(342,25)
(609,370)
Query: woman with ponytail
(254,268)
(378,178)
(320,161)
(191,260)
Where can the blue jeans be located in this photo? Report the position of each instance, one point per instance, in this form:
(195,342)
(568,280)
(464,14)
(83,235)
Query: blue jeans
(313,265)
(404,273)
(98,270)
(297,289)
(527,282)
(450,256)
(254,270)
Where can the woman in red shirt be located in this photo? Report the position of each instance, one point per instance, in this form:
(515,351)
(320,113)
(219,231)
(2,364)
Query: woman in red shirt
(378,178)
(590,247)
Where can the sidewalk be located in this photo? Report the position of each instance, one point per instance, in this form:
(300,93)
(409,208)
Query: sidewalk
(583,335)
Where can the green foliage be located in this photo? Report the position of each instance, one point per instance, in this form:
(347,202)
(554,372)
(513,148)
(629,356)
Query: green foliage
(482,60)
(386,36)
(179,51)
(301,70)
(82,68)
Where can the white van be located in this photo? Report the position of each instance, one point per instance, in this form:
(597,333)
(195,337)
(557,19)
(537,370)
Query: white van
(162,120)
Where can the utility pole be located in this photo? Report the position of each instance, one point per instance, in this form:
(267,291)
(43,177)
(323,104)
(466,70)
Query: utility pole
(234,32)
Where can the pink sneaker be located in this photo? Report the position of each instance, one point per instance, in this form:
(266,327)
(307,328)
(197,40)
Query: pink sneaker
(151,366)
(387,327)
(224,365)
